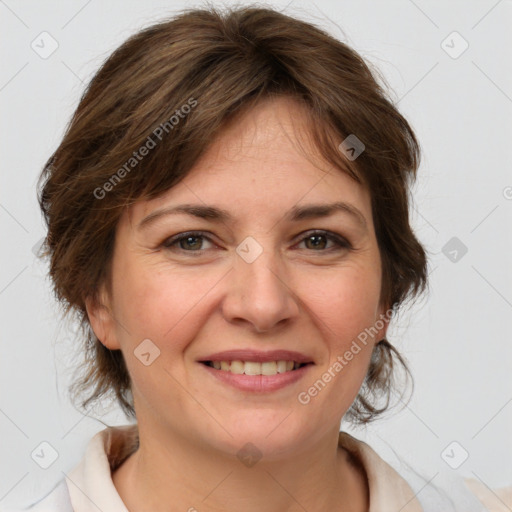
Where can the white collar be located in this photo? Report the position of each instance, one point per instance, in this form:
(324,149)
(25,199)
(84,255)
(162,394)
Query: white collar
(91,487)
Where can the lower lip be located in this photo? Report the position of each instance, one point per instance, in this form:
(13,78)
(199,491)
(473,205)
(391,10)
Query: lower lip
(258,383)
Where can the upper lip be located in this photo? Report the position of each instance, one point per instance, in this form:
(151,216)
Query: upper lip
(258,356)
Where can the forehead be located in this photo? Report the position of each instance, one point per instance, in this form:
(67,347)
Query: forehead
(273,129)
(262,155)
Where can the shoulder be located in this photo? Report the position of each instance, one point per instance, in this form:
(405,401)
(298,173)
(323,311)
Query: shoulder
(57,500)
(495,500)
(388,490)
(395,478)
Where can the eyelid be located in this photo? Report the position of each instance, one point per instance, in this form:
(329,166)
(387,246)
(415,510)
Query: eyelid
(339,240)
(168,242)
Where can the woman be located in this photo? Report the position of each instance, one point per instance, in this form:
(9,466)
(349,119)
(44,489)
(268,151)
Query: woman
(228,216)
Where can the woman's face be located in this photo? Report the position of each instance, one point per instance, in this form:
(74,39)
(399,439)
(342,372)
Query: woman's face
(270,276)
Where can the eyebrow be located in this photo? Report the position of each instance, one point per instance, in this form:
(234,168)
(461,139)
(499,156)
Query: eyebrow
(295,214)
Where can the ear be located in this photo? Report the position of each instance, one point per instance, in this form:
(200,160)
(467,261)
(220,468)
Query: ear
(101,319)
(382,320)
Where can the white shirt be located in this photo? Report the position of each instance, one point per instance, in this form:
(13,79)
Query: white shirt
(89,486)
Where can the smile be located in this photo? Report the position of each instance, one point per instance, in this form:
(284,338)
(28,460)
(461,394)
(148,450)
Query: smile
(255,367)
(256,376)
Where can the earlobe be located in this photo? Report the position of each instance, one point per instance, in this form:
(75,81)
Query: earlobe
(382,323)
(102,321)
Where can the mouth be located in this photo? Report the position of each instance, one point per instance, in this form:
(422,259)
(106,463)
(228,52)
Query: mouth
(267,368)
(257,371)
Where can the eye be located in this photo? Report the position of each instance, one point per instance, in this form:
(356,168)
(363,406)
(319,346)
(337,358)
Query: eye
(316,240)
(184,241)
(317,245)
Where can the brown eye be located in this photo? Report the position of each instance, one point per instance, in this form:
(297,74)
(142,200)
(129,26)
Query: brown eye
(187,242)
(320,239)
(190,242)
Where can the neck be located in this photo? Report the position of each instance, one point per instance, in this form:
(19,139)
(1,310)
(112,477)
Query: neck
(172,469)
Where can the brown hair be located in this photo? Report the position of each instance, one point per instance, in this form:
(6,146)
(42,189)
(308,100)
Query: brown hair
(171,88)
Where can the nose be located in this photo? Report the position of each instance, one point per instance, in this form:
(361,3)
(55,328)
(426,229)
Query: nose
(260,294)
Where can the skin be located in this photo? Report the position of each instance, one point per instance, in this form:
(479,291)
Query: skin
(296,295)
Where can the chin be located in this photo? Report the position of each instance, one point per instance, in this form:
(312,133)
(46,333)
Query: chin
(271,434)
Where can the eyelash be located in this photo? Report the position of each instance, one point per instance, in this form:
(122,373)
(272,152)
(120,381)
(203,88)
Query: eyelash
(341,242)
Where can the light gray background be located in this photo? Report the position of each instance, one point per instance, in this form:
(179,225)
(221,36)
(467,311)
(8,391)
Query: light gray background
(457,339)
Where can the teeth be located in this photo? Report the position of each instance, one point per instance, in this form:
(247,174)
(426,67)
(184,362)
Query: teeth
(255,368)
(237,367)
(269,368)
(252,368)
(281,366)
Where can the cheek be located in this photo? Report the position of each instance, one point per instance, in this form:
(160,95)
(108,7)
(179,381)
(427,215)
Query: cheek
(163,304)
(345,312)
(160,304)
(345,304)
